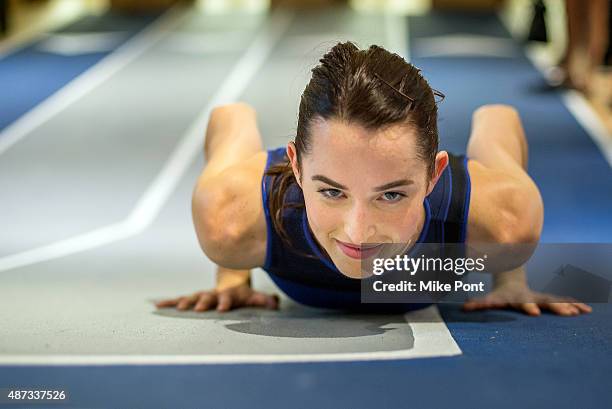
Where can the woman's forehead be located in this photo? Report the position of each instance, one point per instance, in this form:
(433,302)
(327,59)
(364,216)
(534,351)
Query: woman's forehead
(335,139)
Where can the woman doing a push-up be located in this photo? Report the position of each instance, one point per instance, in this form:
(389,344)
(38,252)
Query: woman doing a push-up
(364,168)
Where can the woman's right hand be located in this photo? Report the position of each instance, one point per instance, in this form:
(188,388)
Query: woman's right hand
(226,299)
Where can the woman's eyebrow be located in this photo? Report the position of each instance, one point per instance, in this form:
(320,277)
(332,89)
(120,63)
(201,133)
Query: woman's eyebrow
(401,182)
(330,182)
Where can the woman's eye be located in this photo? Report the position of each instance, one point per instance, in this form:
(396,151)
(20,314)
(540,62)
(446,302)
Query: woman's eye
(393,196)
(331,193)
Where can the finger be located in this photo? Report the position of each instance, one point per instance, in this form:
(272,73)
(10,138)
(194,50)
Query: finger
(263,300)
(583,308)
(557,308)
(224,302)
(561,308)
(530,308)
(167,303)
(205,302)
(573,310)
(186,302)
(273,302)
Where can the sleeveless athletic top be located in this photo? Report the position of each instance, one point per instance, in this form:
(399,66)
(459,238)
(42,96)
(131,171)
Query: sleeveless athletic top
(315,280)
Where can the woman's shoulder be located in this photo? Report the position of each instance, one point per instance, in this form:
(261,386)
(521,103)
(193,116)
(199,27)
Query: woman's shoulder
(448,202)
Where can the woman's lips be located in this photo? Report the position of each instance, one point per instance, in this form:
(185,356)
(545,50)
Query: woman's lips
(358,252)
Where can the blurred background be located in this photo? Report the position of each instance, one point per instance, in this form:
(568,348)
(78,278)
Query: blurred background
(570,38)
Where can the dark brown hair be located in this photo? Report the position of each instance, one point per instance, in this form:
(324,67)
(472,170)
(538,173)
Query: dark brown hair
(372,88)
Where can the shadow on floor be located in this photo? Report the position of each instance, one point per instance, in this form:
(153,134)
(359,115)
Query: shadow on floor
(296,321)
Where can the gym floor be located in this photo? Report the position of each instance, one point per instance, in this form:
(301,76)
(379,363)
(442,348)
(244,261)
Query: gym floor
(101,129)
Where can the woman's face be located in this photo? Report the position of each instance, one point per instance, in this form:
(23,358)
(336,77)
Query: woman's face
(363,187)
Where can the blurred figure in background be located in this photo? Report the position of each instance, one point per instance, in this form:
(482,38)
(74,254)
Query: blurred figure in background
(3,16)
(538,31)
(588,39)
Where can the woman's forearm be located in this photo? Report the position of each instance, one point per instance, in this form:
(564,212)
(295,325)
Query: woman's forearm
(515,276)
(498,126)
(232,130)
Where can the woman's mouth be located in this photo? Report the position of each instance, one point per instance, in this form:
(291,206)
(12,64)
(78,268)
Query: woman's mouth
(358,251)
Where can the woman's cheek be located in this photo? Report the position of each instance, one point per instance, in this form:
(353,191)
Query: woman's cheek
(402,224)
(321,216)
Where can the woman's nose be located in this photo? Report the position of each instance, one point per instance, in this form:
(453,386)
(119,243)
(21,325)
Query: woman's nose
(359,226)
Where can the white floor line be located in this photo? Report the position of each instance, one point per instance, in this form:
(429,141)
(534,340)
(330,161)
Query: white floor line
(465,45)
(158,192)
(590,121)
(575,102)
(90,79)
(79,43)
(83,242)
(150,204)
(431,339)
(396,30)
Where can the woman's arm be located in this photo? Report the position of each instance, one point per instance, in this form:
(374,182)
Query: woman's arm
(506,208)
(505,205)
(228,212)
(230,226)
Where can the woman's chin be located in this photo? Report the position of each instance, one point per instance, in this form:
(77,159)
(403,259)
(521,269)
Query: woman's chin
(351,269)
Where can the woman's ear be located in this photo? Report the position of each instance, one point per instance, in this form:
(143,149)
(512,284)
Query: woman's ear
(292,155)
(440,164)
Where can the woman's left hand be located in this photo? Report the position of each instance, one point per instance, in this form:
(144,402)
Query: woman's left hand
(519,297)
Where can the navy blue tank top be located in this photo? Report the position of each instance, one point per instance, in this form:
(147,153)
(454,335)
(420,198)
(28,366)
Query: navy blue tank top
(305,272)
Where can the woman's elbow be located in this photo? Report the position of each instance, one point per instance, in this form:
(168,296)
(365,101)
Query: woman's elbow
(216,234)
